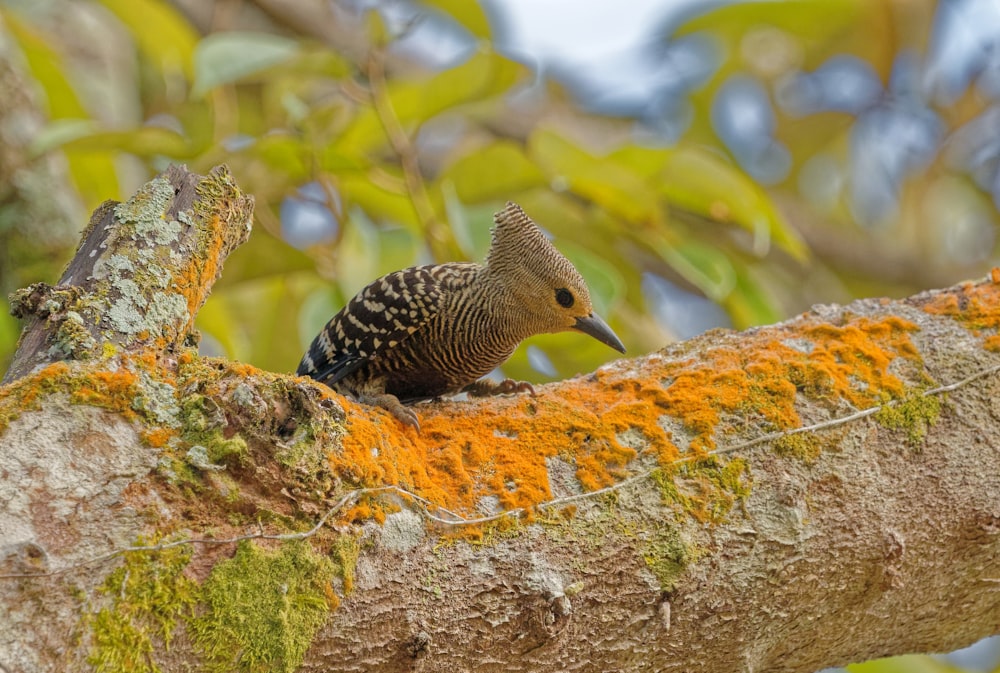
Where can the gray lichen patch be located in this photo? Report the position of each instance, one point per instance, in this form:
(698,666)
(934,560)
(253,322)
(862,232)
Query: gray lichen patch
(198,456)
(124,315)
(145,213)
(117,264)
(159,400)
(167,309)
(243,396)
(132,313)
(402,531)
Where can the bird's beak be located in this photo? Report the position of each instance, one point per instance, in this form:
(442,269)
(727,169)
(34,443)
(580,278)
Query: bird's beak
(597,328)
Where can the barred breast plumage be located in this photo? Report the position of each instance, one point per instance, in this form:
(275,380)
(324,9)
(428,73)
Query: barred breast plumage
(434,330)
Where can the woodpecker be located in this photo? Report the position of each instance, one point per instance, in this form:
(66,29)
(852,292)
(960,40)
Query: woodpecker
(434,330)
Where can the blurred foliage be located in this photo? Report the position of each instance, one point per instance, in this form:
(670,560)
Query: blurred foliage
(288,111)
(402,158)
(350,115)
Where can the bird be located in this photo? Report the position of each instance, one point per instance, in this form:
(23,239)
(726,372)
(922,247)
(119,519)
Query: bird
(435,330)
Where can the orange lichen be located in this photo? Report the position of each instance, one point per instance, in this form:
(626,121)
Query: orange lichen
(499,457)
(604,427)
(109,390)
(158,437)
(194,280)
(114,390)
(975,305)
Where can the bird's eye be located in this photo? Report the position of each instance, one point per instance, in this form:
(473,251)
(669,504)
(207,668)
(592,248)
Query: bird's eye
(564,297)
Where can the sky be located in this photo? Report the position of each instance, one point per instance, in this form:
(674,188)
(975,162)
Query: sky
(600,43)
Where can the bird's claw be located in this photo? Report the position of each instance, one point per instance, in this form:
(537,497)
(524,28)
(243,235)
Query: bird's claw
(391,403)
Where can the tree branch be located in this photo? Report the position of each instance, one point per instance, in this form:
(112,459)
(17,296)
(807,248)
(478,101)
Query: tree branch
(142,271)
(784,499)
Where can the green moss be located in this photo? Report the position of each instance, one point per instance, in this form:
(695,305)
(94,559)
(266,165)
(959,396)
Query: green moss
(804,446)
(230,451)
(219,189)
(149,596)
(711,486)
(667,556)
(262,608)
(203,423)
(345,554)
(72,339)
(914,415)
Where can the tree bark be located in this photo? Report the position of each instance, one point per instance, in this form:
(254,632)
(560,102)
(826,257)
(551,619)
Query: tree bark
(789,498)
(142,271)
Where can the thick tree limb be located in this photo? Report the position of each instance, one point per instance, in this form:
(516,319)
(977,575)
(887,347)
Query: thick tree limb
(785,499)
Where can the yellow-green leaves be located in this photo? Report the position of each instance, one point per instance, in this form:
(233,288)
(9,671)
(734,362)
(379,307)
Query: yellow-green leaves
(93,172)
(467,13)
(224,58)
(417,100)
(700,183)
(622,192)
(160,32)
(493,173)
(411,159)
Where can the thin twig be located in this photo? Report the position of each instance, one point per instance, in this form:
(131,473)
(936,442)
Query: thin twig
(434,231)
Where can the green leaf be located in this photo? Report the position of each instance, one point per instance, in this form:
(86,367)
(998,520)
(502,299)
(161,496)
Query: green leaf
(10,329)
(494,172)
(696,181)
(468,13)
(376,29)
(470,225)
(706,267)
(161,33)
(146,141)
(357,254)
(254,320)
(317,308)
(261,256)
(750,303)
(47,67)
(61,132)
(225,58)
(283,153)
(619,190)
(93,173)
(415,101)
(911,663)
(806,19)
(378,202)
(367,251)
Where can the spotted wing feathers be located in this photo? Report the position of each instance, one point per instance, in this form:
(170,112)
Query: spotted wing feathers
(378,318)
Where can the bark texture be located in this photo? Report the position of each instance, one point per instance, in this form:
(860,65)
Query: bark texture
(140,274)
(784,499)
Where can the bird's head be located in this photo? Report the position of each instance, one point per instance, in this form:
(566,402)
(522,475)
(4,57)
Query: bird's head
(547,287)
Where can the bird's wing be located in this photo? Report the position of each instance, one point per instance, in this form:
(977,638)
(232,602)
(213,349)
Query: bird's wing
(381,316)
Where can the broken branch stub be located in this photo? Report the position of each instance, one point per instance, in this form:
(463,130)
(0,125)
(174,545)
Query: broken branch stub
(141,273)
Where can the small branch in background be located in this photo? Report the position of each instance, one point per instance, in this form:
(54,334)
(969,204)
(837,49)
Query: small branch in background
(436,233)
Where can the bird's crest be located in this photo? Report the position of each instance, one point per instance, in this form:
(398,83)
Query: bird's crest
(515,236)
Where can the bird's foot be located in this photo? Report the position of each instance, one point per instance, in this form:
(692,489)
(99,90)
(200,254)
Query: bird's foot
(391,403)
(485,388)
